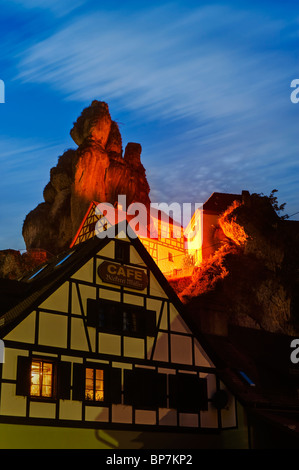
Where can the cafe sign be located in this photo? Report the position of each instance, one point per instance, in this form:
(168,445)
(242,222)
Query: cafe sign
(120,275)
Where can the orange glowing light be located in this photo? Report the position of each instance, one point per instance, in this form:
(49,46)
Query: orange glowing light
(230,227)
(94,385)
(41,379)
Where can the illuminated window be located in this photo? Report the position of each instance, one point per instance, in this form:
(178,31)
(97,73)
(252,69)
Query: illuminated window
(41,379)
(94,384)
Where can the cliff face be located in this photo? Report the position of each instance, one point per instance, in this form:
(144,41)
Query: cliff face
(253,279)
(13,264)
(96,170)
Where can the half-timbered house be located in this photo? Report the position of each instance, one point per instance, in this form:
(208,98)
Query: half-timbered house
(162,236)
(98,353)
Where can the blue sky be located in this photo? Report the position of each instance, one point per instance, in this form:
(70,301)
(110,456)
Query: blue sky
(204,87)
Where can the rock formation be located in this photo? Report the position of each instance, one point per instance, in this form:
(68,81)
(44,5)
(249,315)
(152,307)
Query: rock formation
(97,170)
(13,264)
(253,279)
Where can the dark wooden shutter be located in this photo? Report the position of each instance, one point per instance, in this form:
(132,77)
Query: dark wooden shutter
(145,395)
(112,385)
(203,393)
(113,316)
(189,396)
(78,382)
(92,314)
(150,323)
(173,391)
(187,393)
(23,376)
(161,390)
(145,389)
(105,315)
(64,380)
(129,387)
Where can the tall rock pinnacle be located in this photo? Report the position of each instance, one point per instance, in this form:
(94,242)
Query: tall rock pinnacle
(96,170)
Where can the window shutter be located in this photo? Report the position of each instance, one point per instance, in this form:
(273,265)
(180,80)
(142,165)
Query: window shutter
(145,389)
(150,322)
(173,391)
(129,387)
(92,314)
(23,376)
(161,390)
(113,317)
(187,393)
(203,393)
(104,314)
(64,380)
(112,385)
(78,382)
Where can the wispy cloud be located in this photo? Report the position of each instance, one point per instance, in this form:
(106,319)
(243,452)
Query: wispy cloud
(25,167)
(58,7)
(226,71)
(219,74)
(191,66)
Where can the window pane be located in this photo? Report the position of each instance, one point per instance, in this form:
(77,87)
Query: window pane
(89,384)
(99,374)
(130,322)
(99,386)
(35,378)
(100,395)
(46,391)
(47,379)
(94,384)
(125,321)
(134,322)
(41,379)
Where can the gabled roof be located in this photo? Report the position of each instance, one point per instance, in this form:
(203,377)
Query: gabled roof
(11,293)
(25,294)
(257,368)
(35,290)
(219,202)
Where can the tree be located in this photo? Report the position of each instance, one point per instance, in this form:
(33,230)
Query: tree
(274,202)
